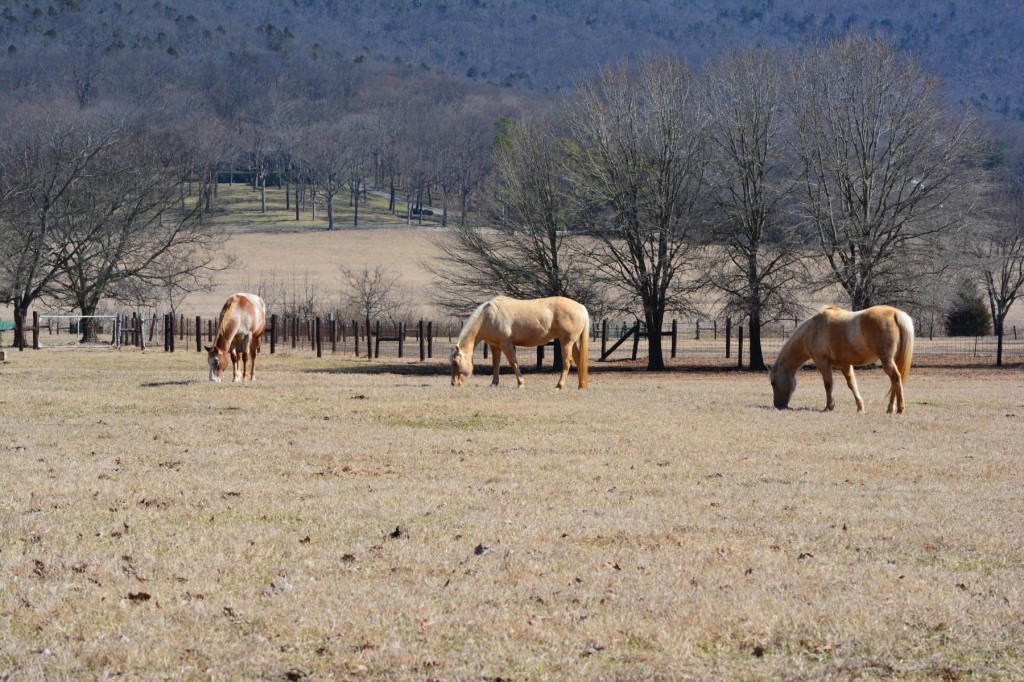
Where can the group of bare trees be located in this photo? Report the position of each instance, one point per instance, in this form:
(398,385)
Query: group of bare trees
(91,209)
(770,178)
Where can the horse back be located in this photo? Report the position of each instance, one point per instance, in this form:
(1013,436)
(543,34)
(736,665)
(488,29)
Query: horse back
(241,316)
(861,337)
(533,322)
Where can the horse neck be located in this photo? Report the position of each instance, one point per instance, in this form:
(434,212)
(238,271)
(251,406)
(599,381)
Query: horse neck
(467,338)
(794,352)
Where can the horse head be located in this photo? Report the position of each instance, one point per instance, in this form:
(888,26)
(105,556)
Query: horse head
(783,385)
(462,366)
(218,362)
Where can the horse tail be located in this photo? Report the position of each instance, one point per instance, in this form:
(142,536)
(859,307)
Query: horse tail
(584,343)
(905,350)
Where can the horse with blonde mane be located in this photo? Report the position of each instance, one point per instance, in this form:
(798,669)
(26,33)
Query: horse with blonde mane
(243,319)
(504,323)
(844,339)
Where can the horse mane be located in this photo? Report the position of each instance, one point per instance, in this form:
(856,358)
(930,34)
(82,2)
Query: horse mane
(798,335)
(225,317)
(473,323)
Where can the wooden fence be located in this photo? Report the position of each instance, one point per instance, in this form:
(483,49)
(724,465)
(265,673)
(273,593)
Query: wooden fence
(701,342)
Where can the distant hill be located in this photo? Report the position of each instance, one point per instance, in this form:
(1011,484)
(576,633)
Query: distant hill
(534,46)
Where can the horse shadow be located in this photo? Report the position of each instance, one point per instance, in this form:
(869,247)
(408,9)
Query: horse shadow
(158,384)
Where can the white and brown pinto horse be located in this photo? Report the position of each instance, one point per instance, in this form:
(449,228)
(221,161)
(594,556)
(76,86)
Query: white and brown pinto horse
(504,323)
(844,339)
(243,319)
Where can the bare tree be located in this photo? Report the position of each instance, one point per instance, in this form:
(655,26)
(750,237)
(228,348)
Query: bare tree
(126,230)
(885,168)
(375,293)
(998,252)
(756,257)
(526,249)
(47,153)
(334,163)
(636,162)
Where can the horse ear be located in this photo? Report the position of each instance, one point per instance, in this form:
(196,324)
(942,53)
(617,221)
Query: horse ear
(208,348)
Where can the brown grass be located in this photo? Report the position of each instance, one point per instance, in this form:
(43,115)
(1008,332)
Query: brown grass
(274,244)
(336,523)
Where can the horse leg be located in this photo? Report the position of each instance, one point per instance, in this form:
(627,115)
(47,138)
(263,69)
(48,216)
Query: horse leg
(567,353)
(246,350)
(510,353)
(896,388)
(851,381)
(826,375)
(495,361)
(235,361)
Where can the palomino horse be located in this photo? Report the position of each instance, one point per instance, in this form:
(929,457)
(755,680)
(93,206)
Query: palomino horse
(504,323)
(243,319)
(843,339)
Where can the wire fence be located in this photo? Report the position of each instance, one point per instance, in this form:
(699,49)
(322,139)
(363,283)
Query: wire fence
(711,343)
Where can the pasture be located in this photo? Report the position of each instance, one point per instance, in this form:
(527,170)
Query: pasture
(351,520)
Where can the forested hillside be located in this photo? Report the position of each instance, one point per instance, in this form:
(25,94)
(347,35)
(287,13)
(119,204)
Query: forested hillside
(530,45)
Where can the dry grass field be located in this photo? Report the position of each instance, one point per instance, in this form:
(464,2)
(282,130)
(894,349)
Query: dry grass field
(353,520)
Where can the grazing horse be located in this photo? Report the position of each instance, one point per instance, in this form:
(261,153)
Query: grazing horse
(504,323)
(843,339)
(243,319)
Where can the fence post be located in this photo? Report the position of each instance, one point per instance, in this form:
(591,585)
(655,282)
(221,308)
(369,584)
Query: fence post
(295,331)
(369,340)
(697,336)
(675,331)
(401,339)
(430,339)
(199,334)
(319,340)
(728,336)
(273,333)
(334,332)
(604,337)
(35,329)
(485,351)
(739,345)
(715,332)
(423,344)
(540,357)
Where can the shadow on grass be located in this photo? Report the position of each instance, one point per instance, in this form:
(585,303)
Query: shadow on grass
(157,384)
(483,368)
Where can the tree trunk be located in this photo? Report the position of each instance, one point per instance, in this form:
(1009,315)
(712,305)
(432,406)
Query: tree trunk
(20,314)
(997,322)
(756,354)
(330,212)
(655,358)
(355,197)
(263,194)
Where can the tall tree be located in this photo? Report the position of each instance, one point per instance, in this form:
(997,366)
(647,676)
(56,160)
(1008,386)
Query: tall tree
(127,230)
(637,164)
(884,165)
(755,259)
(48,153)
(524,248)
(998,251)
